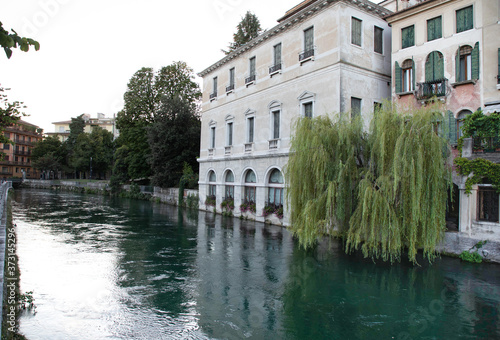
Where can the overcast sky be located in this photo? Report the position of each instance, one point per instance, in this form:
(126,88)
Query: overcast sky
(91,48)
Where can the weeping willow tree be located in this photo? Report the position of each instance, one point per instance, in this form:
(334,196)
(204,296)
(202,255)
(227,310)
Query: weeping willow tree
(382,191)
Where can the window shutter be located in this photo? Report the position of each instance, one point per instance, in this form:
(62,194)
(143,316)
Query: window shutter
(452,128)
(475,61)
(398,78)
(457,65)
(498,74)
(437,28)
(413,74)
(430,30)
(439,66)
(460,21)
(428,67)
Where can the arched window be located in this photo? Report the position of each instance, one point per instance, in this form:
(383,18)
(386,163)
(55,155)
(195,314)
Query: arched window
(467,63)
(460,121)
(212,187)
(250,180)
(229,187)
(434,66)
(405,76)
(275,189)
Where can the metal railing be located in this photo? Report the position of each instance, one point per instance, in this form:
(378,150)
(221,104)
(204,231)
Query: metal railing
(273,144)
(250,79)
(433,88)
(213,95)
(306,54)
(230,88)
(274,68)
(486,144)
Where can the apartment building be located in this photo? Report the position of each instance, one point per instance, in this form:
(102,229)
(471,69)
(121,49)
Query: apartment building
(61,129)
(450,50)
(16,161)
(323,57)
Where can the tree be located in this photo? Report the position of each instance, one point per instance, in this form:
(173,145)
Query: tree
(383,191)
(10,113)
(8,41)
(48,155)
(96,148)
(247,29)
(175,140)
(147,92)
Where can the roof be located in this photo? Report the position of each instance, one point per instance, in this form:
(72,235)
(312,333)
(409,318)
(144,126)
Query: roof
(292,17)
(412,8)
(23,122)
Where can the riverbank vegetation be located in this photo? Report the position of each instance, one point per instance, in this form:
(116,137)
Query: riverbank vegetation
(383,190)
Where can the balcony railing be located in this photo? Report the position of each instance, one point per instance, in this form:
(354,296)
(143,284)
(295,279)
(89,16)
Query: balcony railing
(273,143)
(213,95)
(433,88)
(486,144)
(229,88)
(498,79)
(306,55)
(250,79)
(275,68)
(22,153)
(25,142)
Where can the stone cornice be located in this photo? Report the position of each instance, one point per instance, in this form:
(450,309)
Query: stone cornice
(412,10)
(293,20)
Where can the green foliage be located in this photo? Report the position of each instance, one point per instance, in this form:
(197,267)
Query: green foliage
(248,28)
(383,191)
(248,206)
(480,170)
(227,205)
(10,113)
(10,40)
(210,201)
(192,201)
(472,255)
(478,125)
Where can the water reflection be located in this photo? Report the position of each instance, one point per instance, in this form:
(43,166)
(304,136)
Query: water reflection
(105,268)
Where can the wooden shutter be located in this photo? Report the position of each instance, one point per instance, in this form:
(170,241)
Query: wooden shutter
(430,29)
(437,28)
(457,65)
(429,65)
(398,78)
(498,74)
(413,74)
(438,65)
(475,61)
(452,128)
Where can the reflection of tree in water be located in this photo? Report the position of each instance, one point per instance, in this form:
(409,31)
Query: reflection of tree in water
(354,298)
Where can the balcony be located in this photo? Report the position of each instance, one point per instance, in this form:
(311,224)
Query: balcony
(250,80)
(229,88)
(273,144)
(24,142)
(430,89)
(228,150)
(486,144)
(306,55)
(274,69)
(22,153)
(213,96)
(248,147)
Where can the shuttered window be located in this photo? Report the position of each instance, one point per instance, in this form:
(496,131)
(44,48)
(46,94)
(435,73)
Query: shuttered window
(251,125)
(405,76)
(378,35)
(309,39)
(408,36)
(465,19)
(252,66)
(355,31)
(434,28)
(434,66)
(276,124)
(277,54)
(467,63)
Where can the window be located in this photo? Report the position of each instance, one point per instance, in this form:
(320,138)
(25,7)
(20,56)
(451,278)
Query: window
(460,121)
(308,52)
(434,66)
(213,95)
(434,28)
(408,36)
(276,59)
(250,181)
(378,38)
(355,107)
(251,77)
(212,187)
(467,63)
(212,137)
(229,140)
(250,129)
(465,19)
(487,204)
(407,75)
(6,146)
(229,188)
(307,109)
(7,135)
(275,189)
(377,106)
(275,116)
(355,31)
(230,87)
(464,67)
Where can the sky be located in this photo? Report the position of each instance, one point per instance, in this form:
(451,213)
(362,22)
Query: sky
(91,48)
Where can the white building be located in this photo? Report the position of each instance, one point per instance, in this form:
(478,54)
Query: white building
(324,56)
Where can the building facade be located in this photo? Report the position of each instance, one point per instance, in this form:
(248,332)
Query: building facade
(61,129)
(16,161)
(323,57)
(449,50)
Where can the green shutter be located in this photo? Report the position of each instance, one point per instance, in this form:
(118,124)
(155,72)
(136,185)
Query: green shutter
(430,30)
(398,78)
(439,66)
(429,64)
(457,65)
(413,74)
(438,28)
(475,61)
(498,74)
(452,128)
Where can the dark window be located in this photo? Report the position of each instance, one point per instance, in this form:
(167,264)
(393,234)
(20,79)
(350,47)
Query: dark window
(277,55)
(487,204)
(212,137)
(229,189)
(229,134)
(465,19)
(231,77)
(309,39)
(251,125)
(355,31)
(355,107)
(250,181)
(465,63)
(252,66)
(276,124)
(6,146)
(434,66)
(308,110)
(378,38)
(408,36)
(275,190)
(407,75)
(434,28)
(377,107)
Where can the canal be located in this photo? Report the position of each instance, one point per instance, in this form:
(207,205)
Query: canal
(110,268)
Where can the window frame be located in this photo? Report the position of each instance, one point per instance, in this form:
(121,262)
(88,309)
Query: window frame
(432,34)
(407,29)
(377,43)
(464,26)
(481,191)
(356,111)
(356,31)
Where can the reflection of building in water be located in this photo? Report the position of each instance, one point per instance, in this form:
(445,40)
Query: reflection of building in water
(243,265)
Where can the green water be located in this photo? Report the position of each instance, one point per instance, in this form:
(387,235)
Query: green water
(104,268)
